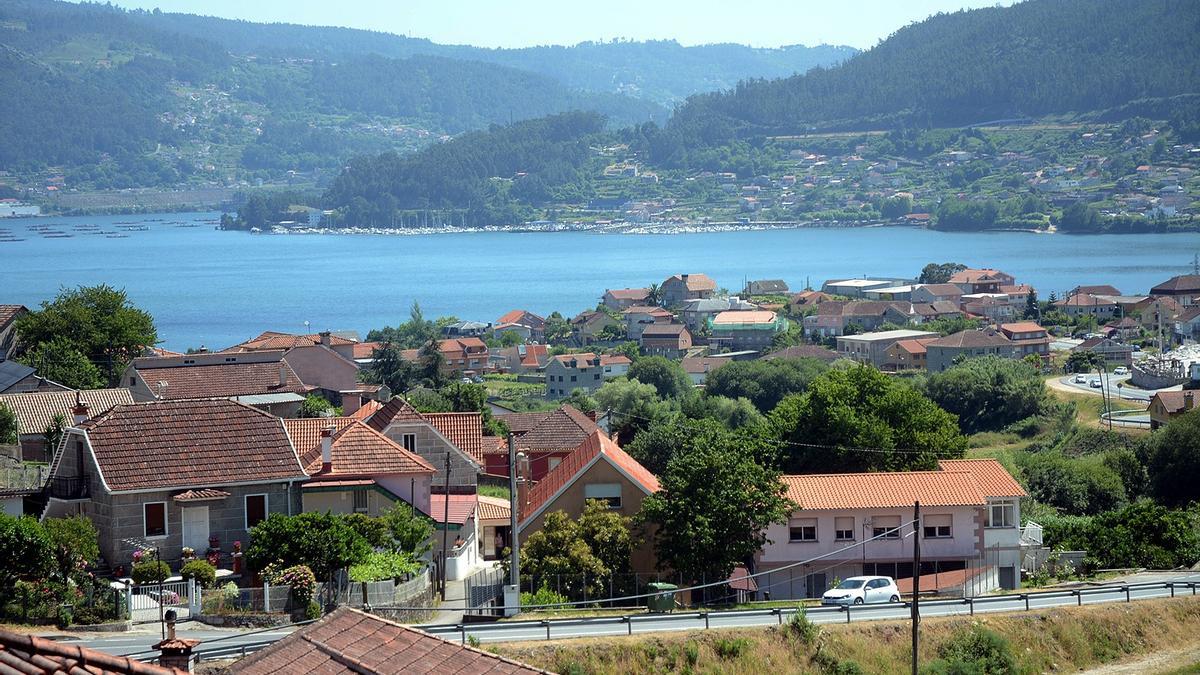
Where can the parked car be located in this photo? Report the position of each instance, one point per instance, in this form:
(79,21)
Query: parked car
(1094,383)
(862,590)
(1080,379)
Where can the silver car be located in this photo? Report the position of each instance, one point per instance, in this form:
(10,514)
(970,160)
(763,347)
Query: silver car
(862,590)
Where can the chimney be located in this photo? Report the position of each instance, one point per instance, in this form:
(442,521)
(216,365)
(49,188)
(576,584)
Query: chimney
(1189,400)
(175,652)
(282,374)
(351,402)
(325,338)
(327,449)
(80,411)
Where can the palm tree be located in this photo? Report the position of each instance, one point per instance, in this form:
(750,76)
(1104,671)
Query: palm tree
(654,294)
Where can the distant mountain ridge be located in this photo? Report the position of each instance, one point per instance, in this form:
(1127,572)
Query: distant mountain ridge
(662,71)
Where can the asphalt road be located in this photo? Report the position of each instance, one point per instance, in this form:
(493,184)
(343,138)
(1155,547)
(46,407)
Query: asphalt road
(1110,385)
(228,642)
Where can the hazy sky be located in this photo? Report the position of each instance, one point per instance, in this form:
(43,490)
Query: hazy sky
(519,23)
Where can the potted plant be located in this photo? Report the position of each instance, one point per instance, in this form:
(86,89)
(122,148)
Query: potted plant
(213,555)
(188,554)
(237,557)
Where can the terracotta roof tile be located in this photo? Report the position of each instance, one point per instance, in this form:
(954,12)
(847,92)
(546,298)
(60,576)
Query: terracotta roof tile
(495,445)
(215,379)
(201,495)
(365,350)
(574,464)
(35,410)
(628,293)
(350,641)
(275,340)
(970,338)
(10,312)
(1172,401)
(494,508)
(356,449)
(993,479)
(461,508)
(1177,284)
(182,444)
(558,431)
(37,656)
(693,282)
(520,422)
(366,410)
(395,410)
(883,490)
(464,430)
(1021,327)
(913,346)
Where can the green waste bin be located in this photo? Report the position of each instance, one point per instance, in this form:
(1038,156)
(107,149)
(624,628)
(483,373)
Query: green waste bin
(663,599)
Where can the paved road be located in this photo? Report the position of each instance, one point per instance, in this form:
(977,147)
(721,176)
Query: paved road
(1110,385)
(577,628)
(141,640)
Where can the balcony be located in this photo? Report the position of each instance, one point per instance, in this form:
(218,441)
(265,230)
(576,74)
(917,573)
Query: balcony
(69,488)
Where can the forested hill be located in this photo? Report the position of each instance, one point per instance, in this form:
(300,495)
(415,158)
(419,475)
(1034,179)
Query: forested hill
(662,71)
(1034,58)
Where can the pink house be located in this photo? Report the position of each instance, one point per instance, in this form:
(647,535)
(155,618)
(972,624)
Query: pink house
(854,524)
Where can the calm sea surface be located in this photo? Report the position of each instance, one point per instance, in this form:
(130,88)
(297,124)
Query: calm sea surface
(215,288)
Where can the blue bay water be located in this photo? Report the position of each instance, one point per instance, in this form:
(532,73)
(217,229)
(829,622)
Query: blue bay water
(215,288)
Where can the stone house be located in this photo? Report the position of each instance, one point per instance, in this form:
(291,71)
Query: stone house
(1027,338)
(981,280)
(587,326)
(170,474)
(930,293)
(567,372)
(263,379)
(871,348)
(941,353)
(434,437)
(8,328)
(671,340)
(533,324)
(324,361)
(1167,405)
(680,288)
(638,317)
(620,299)
(546,438)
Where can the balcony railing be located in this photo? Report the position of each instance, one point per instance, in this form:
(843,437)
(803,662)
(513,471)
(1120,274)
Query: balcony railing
(23,477)
(69,488)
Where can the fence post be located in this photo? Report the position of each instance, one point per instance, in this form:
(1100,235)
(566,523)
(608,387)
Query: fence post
(847,613)
(266,597)
(1078,598)
(1025,597)
(629,623)
(706,621)
(129,600)
(1127,594)
(1172,586)
(193,600)
(547,625)
(971,604)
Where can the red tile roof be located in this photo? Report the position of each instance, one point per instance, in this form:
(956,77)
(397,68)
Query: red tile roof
(495,445)
(939,581)
(395,410)
(35,410)
(463,344)
(741,580)
(693,282)
(560,430)
(356,449)
(664,331)
(494,508)
(615,360)
(33,655)
(521,315)
(913,346)
(647,309)
(464,430)
(10,312)
(218,379)
(275,340)
(575,465)
(1172,401)
(183,444)
(350,641)
(628,293)
(969,339)
(202,495)
(1084,300)
(1021,327)
(971,276)
(366,410)
(993,479)
(520,422)
(364,350)
(883,490)
(461,508)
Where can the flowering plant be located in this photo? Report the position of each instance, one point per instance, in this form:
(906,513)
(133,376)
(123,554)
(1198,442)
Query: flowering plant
(137,556)
(237,547)
(170,598)
(189,552)
(299,578)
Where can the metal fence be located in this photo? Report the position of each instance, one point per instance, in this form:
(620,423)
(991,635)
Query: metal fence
(147,602)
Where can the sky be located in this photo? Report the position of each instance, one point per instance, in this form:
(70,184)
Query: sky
(522,23)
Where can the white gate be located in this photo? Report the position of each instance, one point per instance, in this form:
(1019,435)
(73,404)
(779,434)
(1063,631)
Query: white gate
(148,602)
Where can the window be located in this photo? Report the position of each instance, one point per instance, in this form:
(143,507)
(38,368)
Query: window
(573,378)
(154,519)
(1002,514)
(596,376)
(360,501)
(802,529)
(937,526)
(843,528)
(409,442)
(552,463)
(608,492)
(887,527)
(256,510)
(133,381)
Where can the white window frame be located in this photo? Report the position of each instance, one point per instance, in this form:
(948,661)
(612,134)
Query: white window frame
(366,499)
(1006,505)
(887,531)
(614,500)
(166,522)
(246,508)
(839,532)
(802,525)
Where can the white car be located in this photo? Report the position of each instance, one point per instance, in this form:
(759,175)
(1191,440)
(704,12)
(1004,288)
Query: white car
(1080,379)
(1121,370)
(1094,383)
(862,590)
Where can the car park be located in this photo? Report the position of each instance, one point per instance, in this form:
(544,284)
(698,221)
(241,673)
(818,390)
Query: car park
(862,591)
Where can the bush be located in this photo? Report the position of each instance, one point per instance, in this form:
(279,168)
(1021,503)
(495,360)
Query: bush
(988,393)
(801,628)
(975,650)
(150,571)
(730,648)
(544,596)
(383,565)
(201,571)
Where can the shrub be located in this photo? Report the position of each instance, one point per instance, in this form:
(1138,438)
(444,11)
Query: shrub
(150,571)
(201,571)
(801,628)
(383,565)
(313,610)
(299,578)
(544,596)
(975,650)
(691,652)
(730,648)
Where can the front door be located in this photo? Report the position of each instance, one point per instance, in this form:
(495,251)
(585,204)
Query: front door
(195,528)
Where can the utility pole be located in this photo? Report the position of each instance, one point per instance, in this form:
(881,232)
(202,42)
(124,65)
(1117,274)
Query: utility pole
(916,600)
(514,564)
(445,528)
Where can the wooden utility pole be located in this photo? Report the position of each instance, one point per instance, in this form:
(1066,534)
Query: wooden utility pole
(445,528)
(514,563)
(916,599)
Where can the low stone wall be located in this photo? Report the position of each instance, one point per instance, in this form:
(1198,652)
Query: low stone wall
(1146,380)
(246,620)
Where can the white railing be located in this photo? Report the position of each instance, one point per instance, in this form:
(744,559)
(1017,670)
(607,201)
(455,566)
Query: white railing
(1031,534)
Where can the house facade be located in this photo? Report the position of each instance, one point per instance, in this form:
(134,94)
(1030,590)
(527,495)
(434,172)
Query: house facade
(323,361)
(525,322)
(981,280)
(35,411)
(745,330)
(546,438)
(170,474)
(1167,405)
(930,293)
(263,379)
(680,288)
(620,299)
(587,327)
(8,328)
(436,438)
(638,317)
(1027,338)
(1114,353)
(671,340)
(1184,289)
(1085,304)
(906,355)
(942,352)
(871,348)
(567,372)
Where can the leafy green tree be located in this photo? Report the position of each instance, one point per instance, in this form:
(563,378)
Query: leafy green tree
(633,405)
(629,349)
(935,273)
(9,429)
(410,531)
(1141,534)
(25,553)
(988,393)
(1175,461)
(97,321)
(974,650)
(559,549)
(411,334)
(581,401)
(608,534)
(718,499)
(734,413)
(558,329)
(1083,486)
(315,405)
(667,377)
(73,542)
(764,382)
(390,368)
(862,420)
(53,434)
(433,364)
(672,435)
(60,361)
(1084,362)
(322,541)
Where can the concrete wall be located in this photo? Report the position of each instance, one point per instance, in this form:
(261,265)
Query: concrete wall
(324,368)
(433,448)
